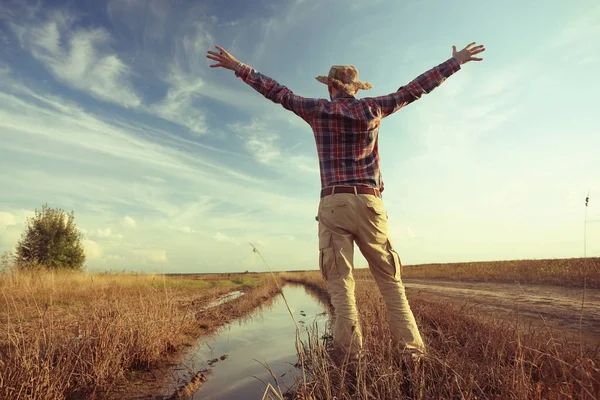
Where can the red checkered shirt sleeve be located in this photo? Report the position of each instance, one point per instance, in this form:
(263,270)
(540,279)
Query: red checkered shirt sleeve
(303,107)
(423,84)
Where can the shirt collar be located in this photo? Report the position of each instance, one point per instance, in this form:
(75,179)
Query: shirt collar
(342,95)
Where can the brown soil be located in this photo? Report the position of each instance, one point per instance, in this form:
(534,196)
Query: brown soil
(555,306)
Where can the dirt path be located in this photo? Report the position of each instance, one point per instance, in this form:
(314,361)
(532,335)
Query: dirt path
(560,307)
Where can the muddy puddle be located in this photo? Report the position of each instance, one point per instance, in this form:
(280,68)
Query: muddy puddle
(560,307)
(232,356)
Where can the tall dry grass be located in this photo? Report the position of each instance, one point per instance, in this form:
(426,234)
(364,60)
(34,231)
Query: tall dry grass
(561,272)
(471,356)
(76,335)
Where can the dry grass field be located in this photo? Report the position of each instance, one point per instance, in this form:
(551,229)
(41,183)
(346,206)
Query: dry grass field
(76,335)
(562,272)
(79,335)
(471,356)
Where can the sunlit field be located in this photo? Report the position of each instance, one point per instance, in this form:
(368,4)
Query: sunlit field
(562,272)
(75,335)
(471,355)
(80,335)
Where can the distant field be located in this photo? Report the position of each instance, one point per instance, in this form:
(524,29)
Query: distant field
(562,272)
(69,335)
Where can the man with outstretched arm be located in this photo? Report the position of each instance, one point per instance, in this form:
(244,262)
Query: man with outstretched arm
(351,208)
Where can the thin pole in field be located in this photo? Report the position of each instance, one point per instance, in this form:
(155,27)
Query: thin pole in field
(587,200)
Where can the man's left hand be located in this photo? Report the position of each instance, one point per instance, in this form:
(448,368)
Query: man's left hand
(223,58)
(468,53)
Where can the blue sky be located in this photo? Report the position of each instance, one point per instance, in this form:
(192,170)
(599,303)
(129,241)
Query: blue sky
(109,109)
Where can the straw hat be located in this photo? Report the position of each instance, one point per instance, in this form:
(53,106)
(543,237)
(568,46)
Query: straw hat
(345,78)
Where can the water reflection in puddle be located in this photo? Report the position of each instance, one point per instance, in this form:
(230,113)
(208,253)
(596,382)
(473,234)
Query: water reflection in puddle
(268,336)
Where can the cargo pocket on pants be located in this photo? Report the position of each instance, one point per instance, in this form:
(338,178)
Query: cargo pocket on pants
(378,208)
(396,260)
(326,256)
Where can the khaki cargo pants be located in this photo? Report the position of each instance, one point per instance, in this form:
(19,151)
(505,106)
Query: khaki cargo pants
(361,218)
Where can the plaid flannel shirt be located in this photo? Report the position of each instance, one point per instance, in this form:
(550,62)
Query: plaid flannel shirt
(346,128)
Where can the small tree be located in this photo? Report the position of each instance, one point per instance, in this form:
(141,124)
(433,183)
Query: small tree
(51,240)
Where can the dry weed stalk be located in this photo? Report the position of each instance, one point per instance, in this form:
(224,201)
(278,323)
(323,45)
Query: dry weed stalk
(298,342)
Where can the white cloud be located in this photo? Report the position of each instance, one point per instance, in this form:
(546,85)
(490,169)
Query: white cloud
(93,250)
(190,81)
(79,57)
(152,255)
(260,141)
(186,229)
(129,222)
(305,163)
(7,219)
(180,105)
(104,233)
(224,238)
(60,121)
(12,225)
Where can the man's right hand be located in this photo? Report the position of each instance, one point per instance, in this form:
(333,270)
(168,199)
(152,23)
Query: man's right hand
(223,58)
(466,54)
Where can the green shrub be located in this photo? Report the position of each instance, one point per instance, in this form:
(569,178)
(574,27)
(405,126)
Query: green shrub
(51,240)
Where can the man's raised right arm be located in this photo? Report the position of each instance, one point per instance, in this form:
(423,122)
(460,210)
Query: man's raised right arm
(426,82)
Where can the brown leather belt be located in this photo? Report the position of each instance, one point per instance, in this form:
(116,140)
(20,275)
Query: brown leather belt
(350,189)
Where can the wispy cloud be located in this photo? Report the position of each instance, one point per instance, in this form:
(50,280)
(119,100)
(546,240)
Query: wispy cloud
(129,222)
(59,121)
(576,42)
(78,56)
(181,103)
(263,141)
(276,27)
(260,141)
